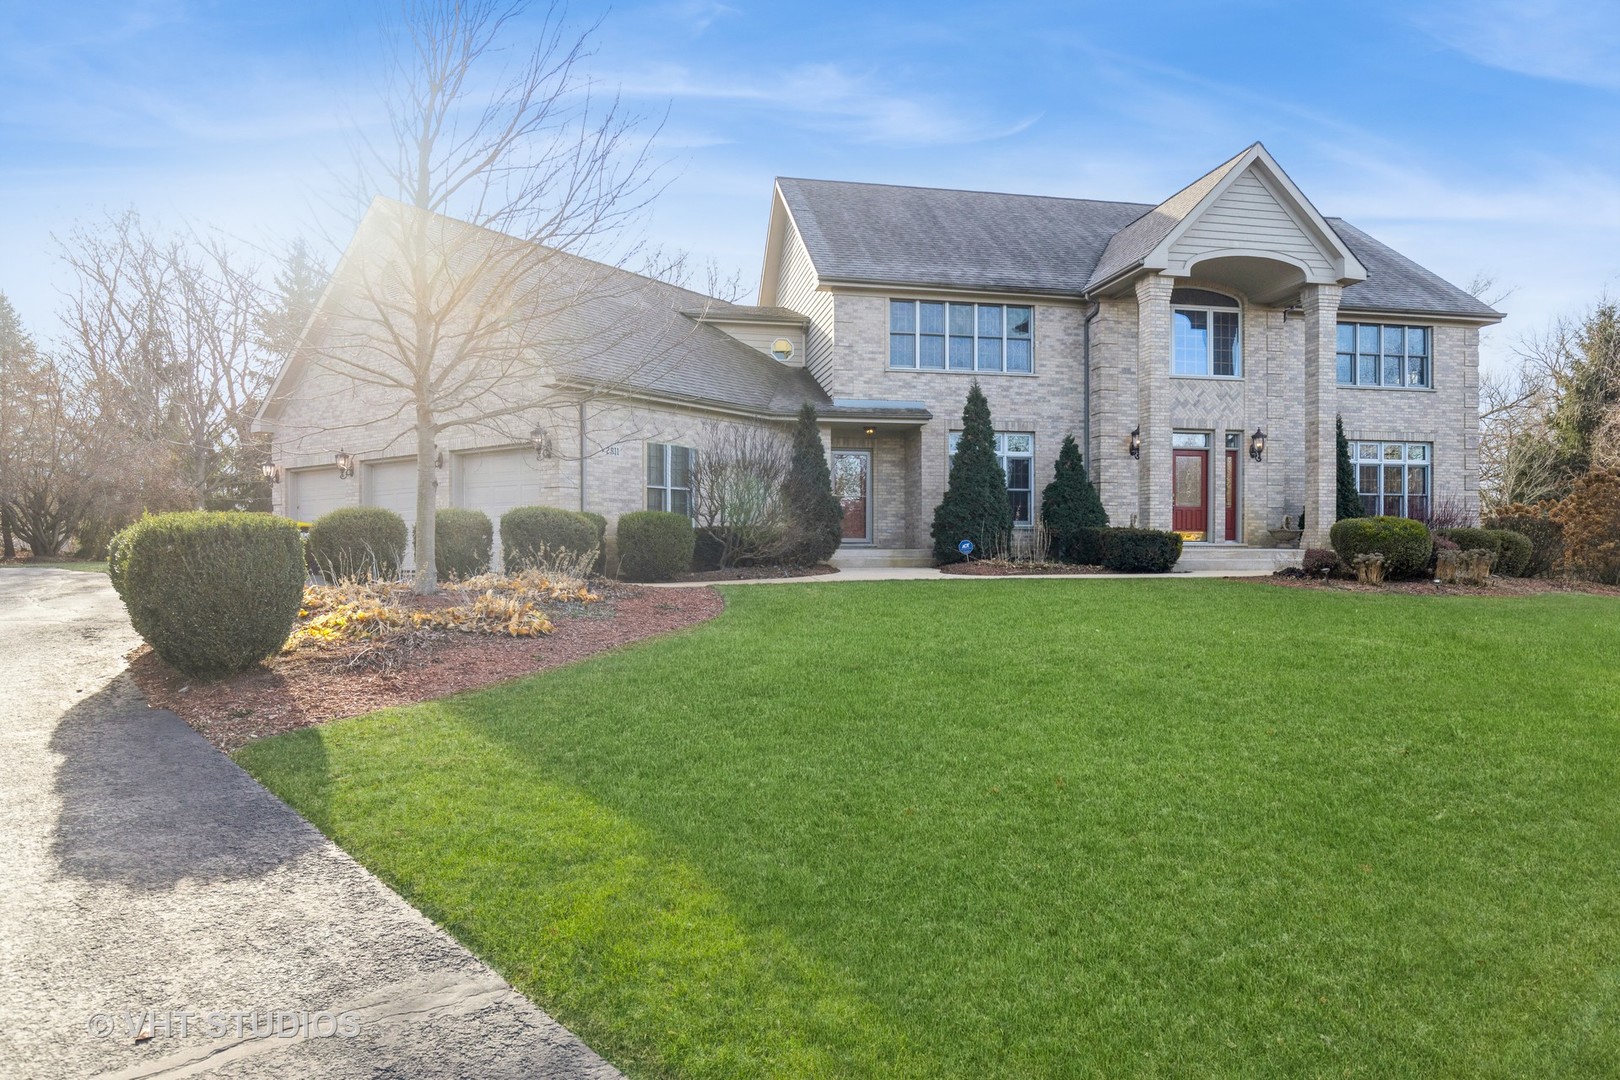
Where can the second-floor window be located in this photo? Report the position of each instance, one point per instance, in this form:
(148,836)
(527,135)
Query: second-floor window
(669,478)
(939,336)
(1371,354)
(1205,337)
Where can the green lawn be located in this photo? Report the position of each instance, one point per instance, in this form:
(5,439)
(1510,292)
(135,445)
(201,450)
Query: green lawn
(89,565)
(1031,828)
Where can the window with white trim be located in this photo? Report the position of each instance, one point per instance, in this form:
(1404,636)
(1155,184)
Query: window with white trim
(1394,478)
(1372,354)
(939,336)
(1205,334)
(1015,453)
(669,478)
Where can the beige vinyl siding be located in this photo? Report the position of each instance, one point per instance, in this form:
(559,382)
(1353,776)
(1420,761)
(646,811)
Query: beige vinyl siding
(1248,215)
(796,289)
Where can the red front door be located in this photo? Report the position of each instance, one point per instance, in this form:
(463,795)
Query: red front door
(1191,508)
(1231,495)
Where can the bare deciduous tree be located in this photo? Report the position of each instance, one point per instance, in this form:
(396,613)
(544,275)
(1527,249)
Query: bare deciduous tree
(739,500)
(161,338)
(460,295)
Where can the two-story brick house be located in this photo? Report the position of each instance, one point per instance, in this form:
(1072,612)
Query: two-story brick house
(1199,349)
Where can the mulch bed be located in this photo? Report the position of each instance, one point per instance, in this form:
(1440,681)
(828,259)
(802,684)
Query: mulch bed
(1495,586)
(992,568)
(760,573)
(309,687)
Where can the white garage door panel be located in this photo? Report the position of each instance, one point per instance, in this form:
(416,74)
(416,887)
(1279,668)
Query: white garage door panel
(497,481)
(391,485)
(313,492)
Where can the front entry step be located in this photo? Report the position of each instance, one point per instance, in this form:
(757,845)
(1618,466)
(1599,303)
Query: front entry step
(1236,558)
(853,557)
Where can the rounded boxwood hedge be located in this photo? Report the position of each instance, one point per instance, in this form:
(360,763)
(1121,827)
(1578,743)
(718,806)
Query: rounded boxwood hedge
(1546,536)
(365,542)
(1513,553)
(461,543)
(1084,546)
(1471,539)
(1405,544)
(212,592)
(1140,551)
(529,530)
(654,545)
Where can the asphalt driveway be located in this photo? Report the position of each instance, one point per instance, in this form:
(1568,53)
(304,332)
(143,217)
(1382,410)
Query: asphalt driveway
(149,887)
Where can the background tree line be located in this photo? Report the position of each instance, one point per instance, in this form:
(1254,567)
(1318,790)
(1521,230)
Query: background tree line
(144,396)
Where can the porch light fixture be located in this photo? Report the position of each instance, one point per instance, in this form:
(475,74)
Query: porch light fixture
(1136,442)
(345,464)
(541,443)
(871,431)
(272,472)
(438,459)
(1257,444)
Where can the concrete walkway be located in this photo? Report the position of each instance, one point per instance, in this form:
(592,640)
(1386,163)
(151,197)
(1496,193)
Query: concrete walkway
(142,872)
(930,573)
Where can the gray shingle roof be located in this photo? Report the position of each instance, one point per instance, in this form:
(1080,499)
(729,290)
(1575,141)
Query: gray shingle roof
(888,235)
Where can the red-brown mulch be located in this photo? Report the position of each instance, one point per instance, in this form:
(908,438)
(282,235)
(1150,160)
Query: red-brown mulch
(759,573)
(1494,586)
(311,686)
(997,568)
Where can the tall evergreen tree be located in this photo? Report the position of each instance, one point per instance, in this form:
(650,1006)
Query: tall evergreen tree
(19,376)
(816,514)
(975,506)
(1349,500)
(1070,502)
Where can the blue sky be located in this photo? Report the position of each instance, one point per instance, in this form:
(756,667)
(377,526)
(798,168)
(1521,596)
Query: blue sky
(1474,135)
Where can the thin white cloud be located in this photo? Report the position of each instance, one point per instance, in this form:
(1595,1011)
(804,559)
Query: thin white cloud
(826,97)
(1574,41)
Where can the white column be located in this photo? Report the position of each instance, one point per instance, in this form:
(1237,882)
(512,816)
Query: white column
(1321,304)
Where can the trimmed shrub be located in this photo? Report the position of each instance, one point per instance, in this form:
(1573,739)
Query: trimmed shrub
(528,531)
(1140,551)
(461,543)
(654,545)
(1513,552)
(212,592)
(600,566)
(975,506)
(1321,562)
(817,514)
(1441,545)
(364,542)
(1405,544)
(1070,503)
(1472,539)
(1085,546)
(1546,536)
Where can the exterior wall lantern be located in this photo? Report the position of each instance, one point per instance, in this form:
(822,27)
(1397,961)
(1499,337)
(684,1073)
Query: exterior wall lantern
(345,464)
(272,472)
(1136,442)
(541,441)
(1257,444)
(438,459)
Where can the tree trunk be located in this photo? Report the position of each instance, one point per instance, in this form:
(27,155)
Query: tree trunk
(5,533)
(426,580)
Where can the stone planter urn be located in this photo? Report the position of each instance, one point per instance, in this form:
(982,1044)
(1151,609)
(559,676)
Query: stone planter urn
(1286,537)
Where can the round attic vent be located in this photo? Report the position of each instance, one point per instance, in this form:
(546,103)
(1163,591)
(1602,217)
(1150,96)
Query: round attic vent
(782,349)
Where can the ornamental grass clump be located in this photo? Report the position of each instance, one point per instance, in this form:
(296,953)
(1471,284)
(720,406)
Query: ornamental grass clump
(211,592)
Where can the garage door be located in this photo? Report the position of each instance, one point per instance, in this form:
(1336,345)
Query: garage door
(496,481)
(392,486)
(313,492)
